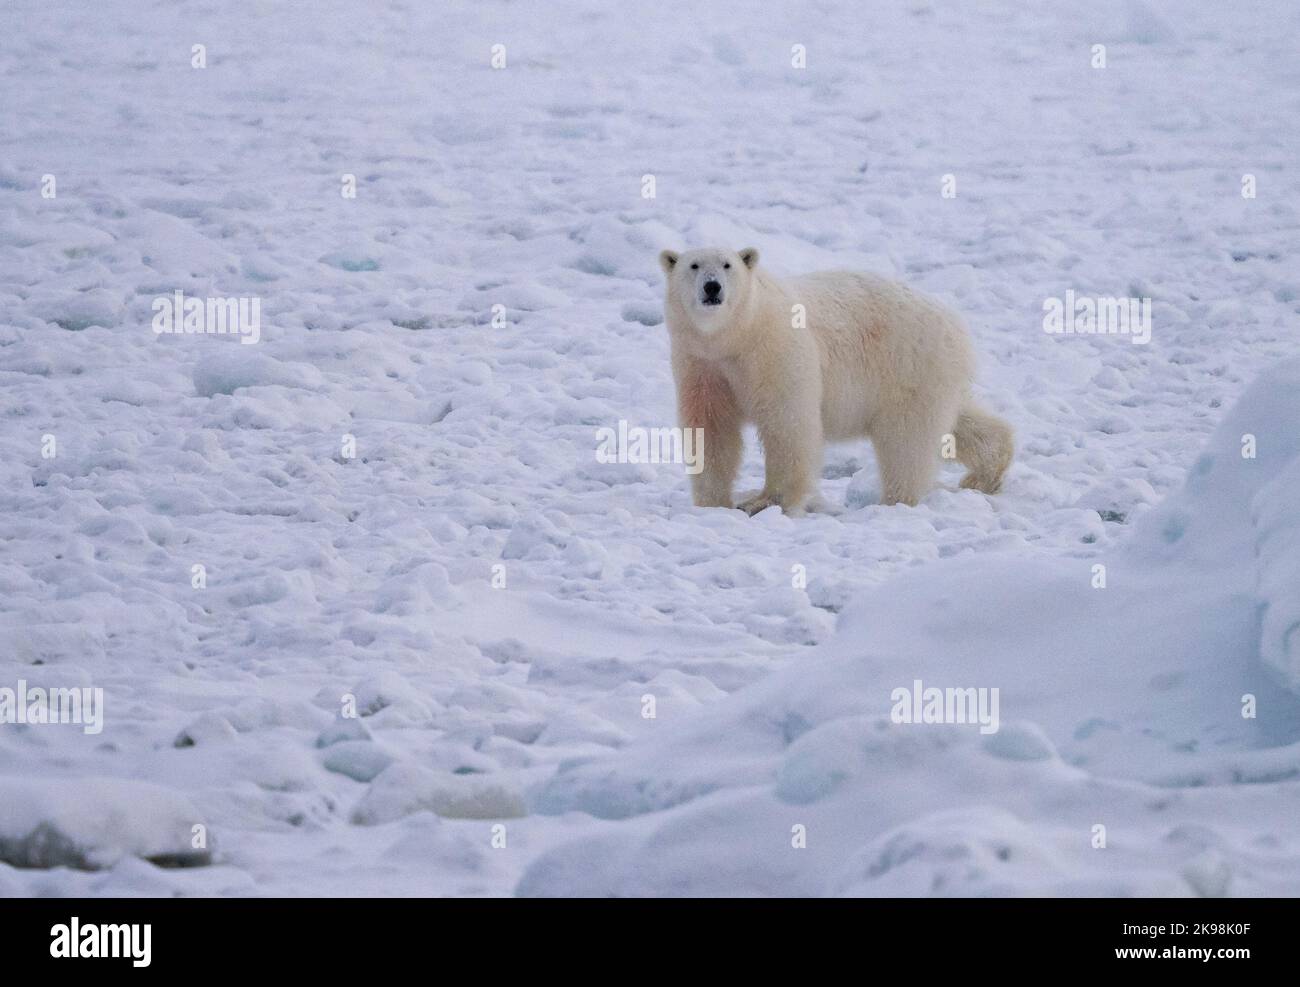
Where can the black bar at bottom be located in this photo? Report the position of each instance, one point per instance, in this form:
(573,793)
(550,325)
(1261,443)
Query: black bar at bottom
(339,937)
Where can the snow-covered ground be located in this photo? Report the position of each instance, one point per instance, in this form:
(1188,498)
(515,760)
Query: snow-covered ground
(514,714)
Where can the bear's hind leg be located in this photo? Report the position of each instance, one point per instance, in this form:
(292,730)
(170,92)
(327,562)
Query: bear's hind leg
(909,460)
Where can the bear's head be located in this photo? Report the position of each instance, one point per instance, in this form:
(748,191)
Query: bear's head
(708,287)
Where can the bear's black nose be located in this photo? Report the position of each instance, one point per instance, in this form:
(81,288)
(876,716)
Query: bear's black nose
(712,289)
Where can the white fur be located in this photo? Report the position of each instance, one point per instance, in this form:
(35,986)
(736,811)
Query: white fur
(873,359)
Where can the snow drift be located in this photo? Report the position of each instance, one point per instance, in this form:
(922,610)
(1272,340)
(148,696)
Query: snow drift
(1144,698)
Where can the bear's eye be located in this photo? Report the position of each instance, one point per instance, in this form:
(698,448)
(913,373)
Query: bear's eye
(695,267)
(727,266)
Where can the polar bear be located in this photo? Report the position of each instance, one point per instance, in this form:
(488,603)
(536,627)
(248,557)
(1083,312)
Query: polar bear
(830,356)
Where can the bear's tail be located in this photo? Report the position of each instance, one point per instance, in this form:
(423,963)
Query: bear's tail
(985,445)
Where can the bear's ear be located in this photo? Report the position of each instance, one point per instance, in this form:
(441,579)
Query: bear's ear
(668,260)
(750,256)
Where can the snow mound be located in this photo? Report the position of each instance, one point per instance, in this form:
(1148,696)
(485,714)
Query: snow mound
(225,373)
(403,789)
(92,823)
(1276,513)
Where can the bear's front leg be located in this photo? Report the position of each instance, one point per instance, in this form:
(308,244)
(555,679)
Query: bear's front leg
(792,448)
(706,403)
